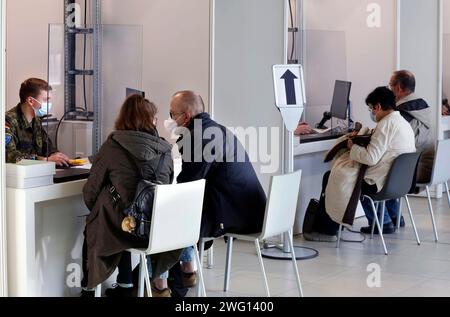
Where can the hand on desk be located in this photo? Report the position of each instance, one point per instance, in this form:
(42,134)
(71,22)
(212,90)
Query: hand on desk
(302,129)
(58,158)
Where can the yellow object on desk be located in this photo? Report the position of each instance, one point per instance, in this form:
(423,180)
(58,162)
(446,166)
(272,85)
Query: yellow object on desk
(78,162)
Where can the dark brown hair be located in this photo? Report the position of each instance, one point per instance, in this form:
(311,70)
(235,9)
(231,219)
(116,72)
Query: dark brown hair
(32,88)
(137,114)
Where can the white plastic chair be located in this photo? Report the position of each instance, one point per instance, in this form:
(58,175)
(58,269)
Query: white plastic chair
(279,219)
(175,224)
(440,175)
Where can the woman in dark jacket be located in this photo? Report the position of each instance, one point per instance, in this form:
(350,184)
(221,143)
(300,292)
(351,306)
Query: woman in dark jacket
(134,145)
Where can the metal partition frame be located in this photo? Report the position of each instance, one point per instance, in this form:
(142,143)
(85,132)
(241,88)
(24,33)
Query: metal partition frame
(3,242)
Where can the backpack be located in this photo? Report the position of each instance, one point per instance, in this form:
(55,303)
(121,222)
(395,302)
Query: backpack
(139,212)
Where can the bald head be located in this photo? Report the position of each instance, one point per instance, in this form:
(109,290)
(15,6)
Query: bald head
(189,102)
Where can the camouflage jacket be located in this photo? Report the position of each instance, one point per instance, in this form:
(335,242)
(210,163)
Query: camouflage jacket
(25,140)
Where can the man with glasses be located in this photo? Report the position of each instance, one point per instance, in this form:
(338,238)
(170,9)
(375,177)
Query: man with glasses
(416,111)
(234,198)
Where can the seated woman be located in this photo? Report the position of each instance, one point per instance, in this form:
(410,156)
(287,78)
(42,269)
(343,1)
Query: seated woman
(134,145)
(392,137)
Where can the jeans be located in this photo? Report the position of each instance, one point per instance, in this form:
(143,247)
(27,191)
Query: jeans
(391,210)
(129,277)
(187,255)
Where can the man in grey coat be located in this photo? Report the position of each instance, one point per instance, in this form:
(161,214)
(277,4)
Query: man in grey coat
(417,112)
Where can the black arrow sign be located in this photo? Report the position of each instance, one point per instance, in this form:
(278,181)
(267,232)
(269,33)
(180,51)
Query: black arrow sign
(289,79)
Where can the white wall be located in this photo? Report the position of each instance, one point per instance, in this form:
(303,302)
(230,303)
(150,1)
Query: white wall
(249,37)
(342,46)
(27,34)
(3,276)
(446,48)
(420,50)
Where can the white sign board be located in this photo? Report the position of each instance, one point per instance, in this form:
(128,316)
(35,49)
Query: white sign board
(289,93)
(289,86)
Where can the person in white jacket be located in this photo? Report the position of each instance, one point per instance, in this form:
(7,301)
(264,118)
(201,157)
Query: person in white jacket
(392,137)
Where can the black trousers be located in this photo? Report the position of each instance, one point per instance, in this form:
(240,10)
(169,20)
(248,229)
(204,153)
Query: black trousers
(126,274)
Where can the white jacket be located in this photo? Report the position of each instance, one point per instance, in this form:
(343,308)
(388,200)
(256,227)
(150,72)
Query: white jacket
(392,137)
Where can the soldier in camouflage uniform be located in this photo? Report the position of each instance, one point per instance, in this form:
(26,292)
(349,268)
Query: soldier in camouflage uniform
(25,137)
(25,140)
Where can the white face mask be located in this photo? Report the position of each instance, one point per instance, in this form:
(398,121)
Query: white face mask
(172,128)
(373,116)
(46,108)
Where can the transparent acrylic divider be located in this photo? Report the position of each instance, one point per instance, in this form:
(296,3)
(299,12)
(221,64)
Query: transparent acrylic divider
(122,52)
(324,61)
(114,53)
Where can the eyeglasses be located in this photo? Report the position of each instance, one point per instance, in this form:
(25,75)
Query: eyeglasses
(175,114)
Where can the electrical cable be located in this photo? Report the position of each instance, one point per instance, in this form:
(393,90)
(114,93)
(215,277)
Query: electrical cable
(84,56)
(355,241)
(59,124)
(292,28)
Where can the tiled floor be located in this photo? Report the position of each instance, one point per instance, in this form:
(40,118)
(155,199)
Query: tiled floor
(408,270)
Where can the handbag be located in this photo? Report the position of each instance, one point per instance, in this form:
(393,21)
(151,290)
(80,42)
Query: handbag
(138,214)
(310,215)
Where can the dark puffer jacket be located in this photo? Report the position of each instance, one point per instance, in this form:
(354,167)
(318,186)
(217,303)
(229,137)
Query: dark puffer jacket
(116,164)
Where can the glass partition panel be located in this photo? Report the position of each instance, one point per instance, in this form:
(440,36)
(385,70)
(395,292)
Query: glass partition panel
(89,71)
(121,65)
(349,40)
(325,60)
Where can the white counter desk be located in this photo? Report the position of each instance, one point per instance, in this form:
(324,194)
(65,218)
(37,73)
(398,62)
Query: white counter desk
(45,235)
(309,158)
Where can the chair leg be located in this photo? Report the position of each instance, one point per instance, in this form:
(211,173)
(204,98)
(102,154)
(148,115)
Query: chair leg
(412,219)
(383,212)
(141,278)
(148,285)
(380,230)
(373,222)
(294,262)
(210,258)
(399,216)
(201,285)
(226,282)
(200,263)
(98,291)
(261,263)
(433,220)
(448,192)
(338,244)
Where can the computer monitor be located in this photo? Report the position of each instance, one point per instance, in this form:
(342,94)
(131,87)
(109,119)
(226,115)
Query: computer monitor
(341,99)
(131,91)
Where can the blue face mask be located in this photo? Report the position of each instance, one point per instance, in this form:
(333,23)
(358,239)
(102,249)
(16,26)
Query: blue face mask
(46,107)
(373,116)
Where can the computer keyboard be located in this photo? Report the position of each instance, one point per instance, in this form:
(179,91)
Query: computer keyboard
(329,135)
